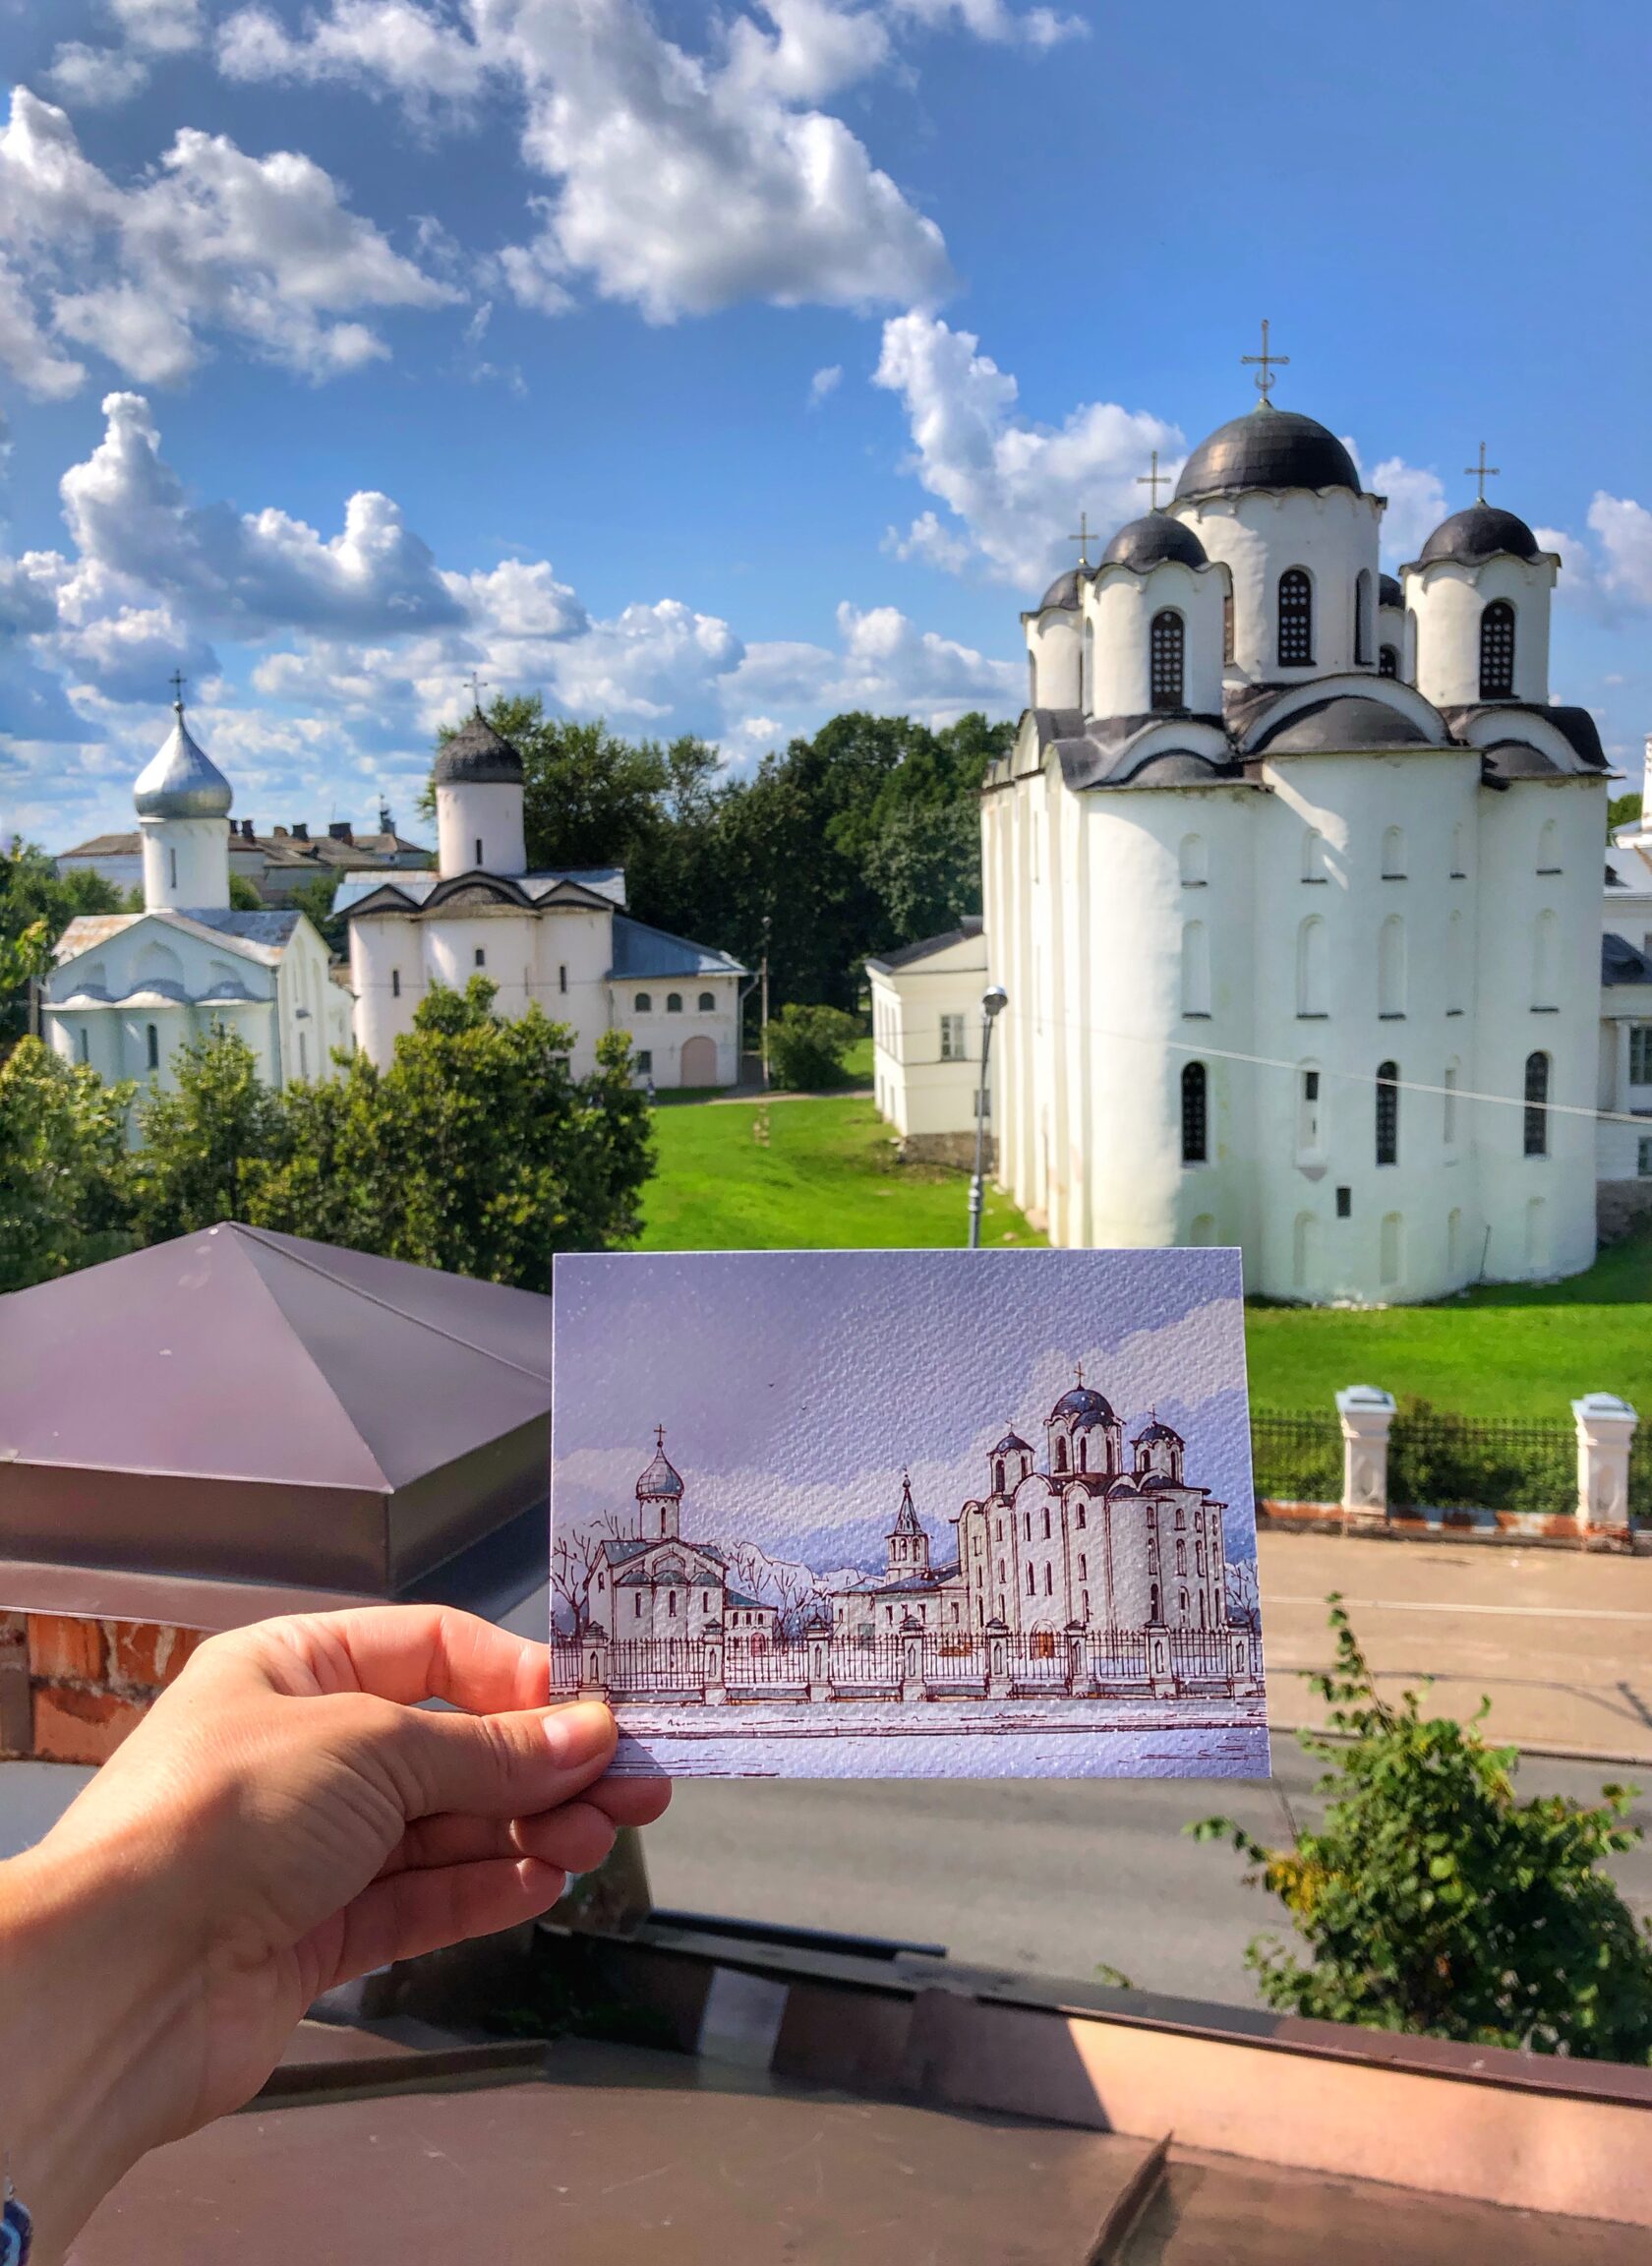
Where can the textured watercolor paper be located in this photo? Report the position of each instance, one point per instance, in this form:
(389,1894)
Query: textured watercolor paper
(908,1514)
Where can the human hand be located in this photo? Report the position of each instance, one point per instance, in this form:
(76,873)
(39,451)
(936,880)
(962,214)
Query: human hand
(285,1818)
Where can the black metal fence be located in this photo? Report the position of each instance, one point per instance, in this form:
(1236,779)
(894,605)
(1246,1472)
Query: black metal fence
(1296,1454)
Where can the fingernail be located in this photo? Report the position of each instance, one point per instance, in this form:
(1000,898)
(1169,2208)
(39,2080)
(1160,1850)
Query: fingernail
(577,1733)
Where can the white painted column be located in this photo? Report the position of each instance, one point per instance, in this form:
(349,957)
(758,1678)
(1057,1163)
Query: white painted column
(1606,1426)
(1367,1413)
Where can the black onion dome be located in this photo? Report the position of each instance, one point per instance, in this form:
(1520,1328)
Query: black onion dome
(1012,1444)
(1268,448)
(477,756)
(1158,1431)
(1480,532)
(1063,592)
(1148,541)
(1084,1405)
(661,1477)
(1389,592)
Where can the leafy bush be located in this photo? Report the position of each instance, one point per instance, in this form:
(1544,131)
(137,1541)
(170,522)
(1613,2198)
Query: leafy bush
(805,1045)
(64,1198)
(1444,1461)
(1296,1455)
(1434,1901)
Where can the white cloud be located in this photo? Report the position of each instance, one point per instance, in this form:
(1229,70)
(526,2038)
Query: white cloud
(883,663)
(97,76)
(161,27)
(262,249)
(390,46)
(992,19)
(824,383)
(1416,507)
(1014,488)
(1624,531)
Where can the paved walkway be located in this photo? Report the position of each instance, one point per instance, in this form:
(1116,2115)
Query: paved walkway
(1561,1643)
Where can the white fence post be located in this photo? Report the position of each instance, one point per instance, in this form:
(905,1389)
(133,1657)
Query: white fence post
(1079,1681)
(1161,1672)
(818,1687)
(911,1660)
(997,1660)
(711,1654)
(1367,1413)
(1606,1426)
(593,1664)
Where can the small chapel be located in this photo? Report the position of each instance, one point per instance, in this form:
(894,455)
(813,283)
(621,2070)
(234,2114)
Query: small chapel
(127,990)
(658,1584)
(561,942)
(1293,880)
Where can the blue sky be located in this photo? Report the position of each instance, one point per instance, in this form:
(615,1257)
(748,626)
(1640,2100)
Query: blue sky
(717,370)
(796,1386)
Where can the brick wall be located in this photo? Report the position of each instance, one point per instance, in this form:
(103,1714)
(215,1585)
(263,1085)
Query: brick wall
(72,1688)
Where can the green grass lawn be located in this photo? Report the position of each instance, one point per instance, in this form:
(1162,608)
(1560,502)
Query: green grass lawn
(1518,1350)
(824,1177)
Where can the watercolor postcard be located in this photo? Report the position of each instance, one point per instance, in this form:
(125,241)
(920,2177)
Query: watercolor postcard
(908,1514)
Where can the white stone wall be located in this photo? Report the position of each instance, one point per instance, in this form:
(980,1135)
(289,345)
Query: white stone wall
(662,1033)
(1120,605)
(1054,645)
(1447,600)
(186,862)
(488,814)
(1258,536)
(915,1089)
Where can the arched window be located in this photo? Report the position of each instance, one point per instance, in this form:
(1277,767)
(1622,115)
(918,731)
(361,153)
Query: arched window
(1497,651)
(1166,645)
(1153,1602)
(645,1002)
(998,1475)
(1313,968)
(1060,1461)
(152,1040)
(1394,853)
(1391,967)
(1387,661)
(1195,862)
(481,957)
(1387,1112)
(708,1003)
(1296,618)
(1549,847)
(1195,1114)
(1305,1252)
(1196,969)
(674,1002)
(1457,966)
(1546,932)
(1537,1105)
(1313,857)
(1307,1116)
(1362,618)
(1390,1252)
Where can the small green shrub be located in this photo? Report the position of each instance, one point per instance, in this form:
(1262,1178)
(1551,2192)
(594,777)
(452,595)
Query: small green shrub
(805,1045)
(1433,1901)
(1444,1461)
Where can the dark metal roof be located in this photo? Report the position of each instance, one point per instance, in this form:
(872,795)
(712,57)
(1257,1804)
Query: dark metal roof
(1148,541)
(1012,1444)
(1620,963)
(905,954)
(1345,721)
(272,928)
(1179,767)
(1480,532)
(1084,1405)
(477,756)
(639,950)
(1159,1431)
(1389,590)
(1268,448)
(1517,760)
(1576,726)
(246,1405)
(1062,592)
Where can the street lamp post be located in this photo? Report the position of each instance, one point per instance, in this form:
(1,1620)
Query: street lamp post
(994,1000)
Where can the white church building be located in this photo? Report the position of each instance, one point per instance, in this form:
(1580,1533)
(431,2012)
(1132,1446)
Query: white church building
(1293,879)
(127,990)
(561,942)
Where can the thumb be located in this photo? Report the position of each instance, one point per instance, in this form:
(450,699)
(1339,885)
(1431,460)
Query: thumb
(505,1765)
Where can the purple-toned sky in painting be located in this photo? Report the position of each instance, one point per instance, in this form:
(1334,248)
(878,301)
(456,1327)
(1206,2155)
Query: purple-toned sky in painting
(796,1386)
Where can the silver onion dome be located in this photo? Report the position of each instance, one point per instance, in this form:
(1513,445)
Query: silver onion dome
(181,780)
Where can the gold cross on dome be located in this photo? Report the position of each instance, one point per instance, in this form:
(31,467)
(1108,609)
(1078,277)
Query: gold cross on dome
(1154,480)
(1083,538)
(1481,473)
(1269,363)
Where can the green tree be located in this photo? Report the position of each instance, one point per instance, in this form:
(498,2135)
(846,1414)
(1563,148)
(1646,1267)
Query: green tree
(314,898)
(805,1045)
(199,1141)
(242,897)
(36,904)
(1622,810)
(926,866)
(65,1174)
(1433,1900)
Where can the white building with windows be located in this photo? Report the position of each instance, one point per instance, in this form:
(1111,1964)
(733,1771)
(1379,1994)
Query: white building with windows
(1292,878)
(655,1583)
(560,941)
(927,1036)
(1625,1058)
(127,990)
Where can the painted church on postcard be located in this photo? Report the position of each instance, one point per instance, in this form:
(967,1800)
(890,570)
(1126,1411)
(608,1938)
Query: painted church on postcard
(1293,880)
(1099,1538)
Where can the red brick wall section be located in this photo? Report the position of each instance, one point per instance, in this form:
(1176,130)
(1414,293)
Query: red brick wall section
(72,1688)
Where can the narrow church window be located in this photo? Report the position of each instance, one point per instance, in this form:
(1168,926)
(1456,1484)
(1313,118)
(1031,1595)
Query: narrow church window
(1061,1465)
(1388,662)
(1195,1114)
(1387,1112)
(671,1605)
(395,982)
(1227,625)
(1081,1517)
(1390,969)
(84,1044)
(1549,847)
(1362,618)
(1311,969)
(708,1003)
(674,1002)
(1497,651)
(1196,969)
(304,1053)
(644,1003)
(1449,1096)
(1394,853)
(1545,937)
(1344,1203)
(1061,1458)
(636,1607)
(1537,1105)
(1047,1525)
(1031,1585)
(1313,857)
(1296,620)
(481,957)
(153,1040)
(1194,861)
(1049,1581)
(1308,1111)
(478,849)
(998,1480)
(562,979)
(172,866)
(1152,1601)
(1166,648)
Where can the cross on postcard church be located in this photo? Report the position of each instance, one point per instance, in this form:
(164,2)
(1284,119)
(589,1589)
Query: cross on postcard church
(1099,1538)
(1293,864)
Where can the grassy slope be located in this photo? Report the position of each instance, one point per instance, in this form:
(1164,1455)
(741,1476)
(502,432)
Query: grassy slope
(824,1179)
(1518,1351)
